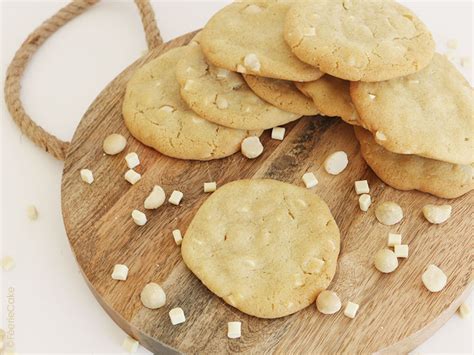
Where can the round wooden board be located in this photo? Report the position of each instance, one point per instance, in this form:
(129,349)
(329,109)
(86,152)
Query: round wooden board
(396,311)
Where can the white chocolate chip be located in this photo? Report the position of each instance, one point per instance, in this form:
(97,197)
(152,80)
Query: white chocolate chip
(234,330)
(87,176)
(178,238)
(401,250)
(313,266)
(176,197)
(389,213)
(434,278)
(252,9)
(130,345)
(114,144)
(364,202)
(298,280)
(32,213)
(464,310)
(167,108)
(177,316)
(8,263)
(222,74)
(414,81)
(155,199)
(132,160)
(328,302)
(336,162)
(310,180)
(153,296)
(241,69)
(222,103)
(351,309)
(139,217)
(380,136)
(210,186)
(309,32)
(394,239)
(251,62)
(189,85)
(120,272)
(372,96)
(385,261)
(251,147)
(437,214)
(132,176)
(278,133)
(361,187)
(452,43)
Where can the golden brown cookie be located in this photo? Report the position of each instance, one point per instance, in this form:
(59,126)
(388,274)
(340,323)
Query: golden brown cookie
(411,172)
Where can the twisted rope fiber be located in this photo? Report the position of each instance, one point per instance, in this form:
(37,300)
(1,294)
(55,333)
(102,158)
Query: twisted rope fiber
(38,135)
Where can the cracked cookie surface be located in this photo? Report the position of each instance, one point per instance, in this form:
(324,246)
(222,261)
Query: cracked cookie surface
(266,247)
(367,40)
(282,94)
(331,97)
(411,172)
(254,29)
(429,113)
(156,115)
(223,97)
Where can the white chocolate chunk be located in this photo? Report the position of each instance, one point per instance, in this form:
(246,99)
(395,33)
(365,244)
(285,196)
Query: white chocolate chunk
(414,81)
(177,316)
(189,85)
(372,96)
(234,330)
(385,261)
(310,180)
(252,63)
(7,263)
(210,186)
(155,199)
(167,108)
(434,278)
(364,202)
(120,272)
(251,147)
(389,213)
(130,345)
(401,251)
(361,187)
(452,43)
(32,212)
(394,239)
(464,310)
(328,302)
(437,214)
(278,133)
(351,309)
(139,217)
(176,197)
(313,266)
(336,162)
(132,160)
(132,176)
(87,176)
(114,144)
(178,238)
(309,32)
(380,136)
(222,103)
(252,9)
(153,296)
(222,74)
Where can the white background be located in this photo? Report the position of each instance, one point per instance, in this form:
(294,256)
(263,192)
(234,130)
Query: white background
(54,310)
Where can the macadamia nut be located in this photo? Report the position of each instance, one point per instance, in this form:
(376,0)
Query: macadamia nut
(385,261)
(434,278)
(464,310)
(336,162)
(251,147)
(114,144)
(364,202)
(32,213)
(156,198)
(388,213)
(437,214)
(328,302)
(252,63)
(153,296)
(87,176)
(139,217)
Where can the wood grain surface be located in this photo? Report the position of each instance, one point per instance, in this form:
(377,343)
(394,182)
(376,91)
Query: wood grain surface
(396,311)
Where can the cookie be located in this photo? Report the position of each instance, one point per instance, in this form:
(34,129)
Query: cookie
(248,37)
(266,247)
(156,115)
(368,40)
(223,97)
(429,113)
(411,172)
(282,94)
(331,97)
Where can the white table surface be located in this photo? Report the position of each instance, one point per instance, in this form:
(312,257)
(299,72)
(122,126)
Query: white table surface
(54,312)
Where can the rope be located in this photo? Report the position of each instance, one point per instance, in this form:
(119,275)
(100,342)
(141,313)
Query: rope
(28,127)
